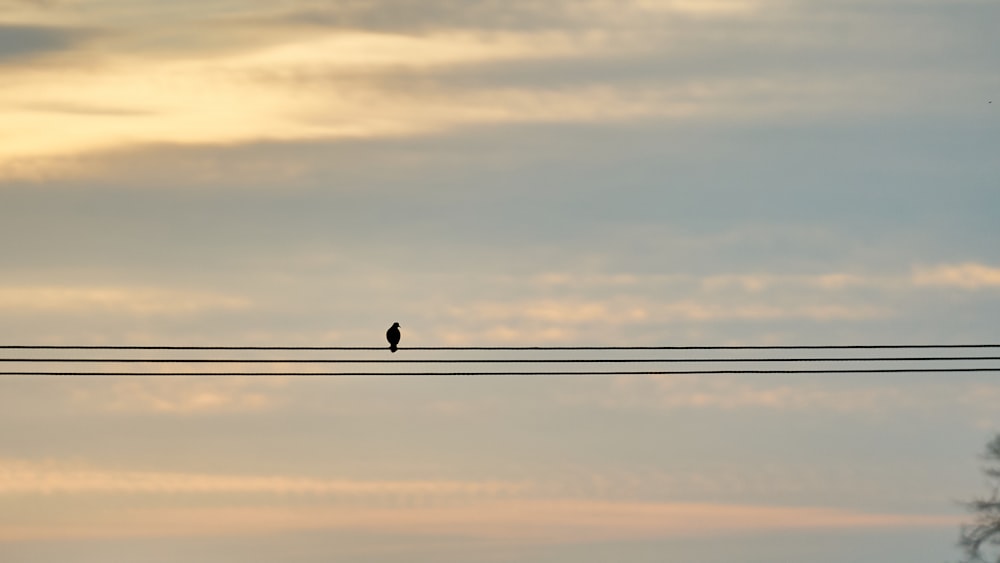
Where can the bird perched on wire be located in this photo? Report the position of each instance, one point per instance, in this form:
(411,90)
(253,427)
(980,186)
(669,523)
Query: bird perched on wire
(392,335)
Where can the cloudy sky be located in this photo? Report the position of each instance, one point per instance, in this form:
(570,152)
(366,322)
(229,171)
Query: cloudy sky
(496,173)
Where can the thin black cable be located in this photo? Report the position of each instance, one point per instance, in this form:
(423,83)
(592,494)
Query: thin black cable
(510,348)
(141,347)
(496,361)
(490,373)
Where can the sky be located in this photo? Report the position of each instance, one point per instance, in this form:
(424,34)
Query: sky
(496,173)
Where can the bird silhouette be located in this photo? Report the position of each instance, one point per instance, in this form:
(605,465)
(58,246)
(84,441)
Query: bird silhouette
(392,335)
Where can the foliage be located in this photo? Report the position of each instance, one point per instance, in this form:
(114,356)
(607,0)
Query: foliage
(984,532)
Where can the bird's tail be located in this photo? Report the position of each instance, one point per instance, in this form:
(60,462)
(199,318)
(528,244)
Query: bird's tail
(392,348)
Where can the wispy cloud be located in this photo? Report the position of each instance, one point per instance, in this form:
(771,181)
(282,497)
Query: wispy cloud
(555,320)
(185,396)
(701,7)
(20,477)
(737,392)
(24,42)
(140,301)
(638,299)
(234,504)
(520,521)
(969,276)
(163,78)
(732,393)
(499,510)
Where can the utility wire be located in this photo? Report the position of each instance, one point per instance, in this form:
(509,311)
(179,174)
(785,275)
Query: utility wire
(496,361)
(750,363)
(490,373)
(522,348)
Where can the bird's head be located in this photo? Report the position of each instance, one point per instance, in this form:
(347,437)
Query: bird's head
(395,325)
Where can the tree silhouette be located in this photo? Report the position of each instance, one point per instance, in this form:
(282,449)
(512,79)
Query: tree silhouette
(984,532)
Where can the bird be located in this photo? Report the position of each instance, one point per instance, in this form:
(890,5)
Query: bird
(392,335)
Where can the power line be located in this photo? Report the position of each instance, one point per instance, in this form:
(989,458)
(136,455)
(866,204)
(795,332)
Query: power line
(747,365)
(506,348)
(489,373)
(496,361)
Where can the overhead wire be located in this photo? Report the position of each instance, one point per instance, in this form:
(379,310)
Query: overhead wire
(746,364)
(493,360)
(506,348)
(499,373)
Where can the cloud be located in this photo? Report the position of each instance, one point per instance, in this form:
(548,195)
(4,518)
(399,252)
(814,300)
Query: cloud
(80,109)
(185,396)
(421,16)
(700,7)
(642,309)
(731,393)
(521,521)
(482,509)
(553,311)
(118,300)
(374,52)
(21,42)
(459,308)
(706,311)
(50,478)
(776,394)
(969,276)
(243,75)
(305,91)
(755,283)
